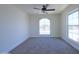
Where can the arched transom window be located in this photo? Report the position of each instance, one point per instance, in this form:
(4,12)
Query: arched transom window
(44,26)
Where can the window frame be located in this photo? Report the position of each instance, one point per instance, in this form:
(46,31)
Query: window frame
(71,12)
(49,27)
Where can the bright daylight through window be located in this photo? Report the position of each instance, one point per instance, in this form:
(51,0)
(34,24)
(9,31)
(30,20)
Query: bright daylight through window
(44,26)
(73,26)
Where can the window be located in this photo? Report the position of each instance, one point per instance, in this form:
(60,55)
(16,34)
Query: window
(44,26)
(73,26)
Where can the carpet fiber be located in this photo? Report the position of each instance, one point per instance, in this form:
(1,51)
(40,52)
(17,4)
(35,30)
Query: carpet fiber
(44,45)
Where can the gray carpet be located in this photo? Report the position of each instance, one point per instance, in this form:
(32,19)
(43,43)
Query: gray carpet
(44,46)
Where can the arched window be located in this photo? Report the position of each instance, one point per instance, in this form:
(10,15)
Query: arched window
(44,26)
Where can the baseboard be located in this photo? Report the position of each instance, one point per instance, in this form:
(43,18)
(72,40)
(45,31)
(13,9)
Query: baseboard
(9,52)
(71,44)
(47,37)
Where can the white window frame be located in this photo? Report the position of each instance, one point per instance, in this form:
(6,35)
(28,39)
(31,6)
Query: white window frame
(71,12)
(39,26)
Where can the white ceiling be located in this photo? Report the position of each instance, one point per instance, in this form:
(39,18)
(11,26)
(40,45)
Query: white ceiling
(29,8)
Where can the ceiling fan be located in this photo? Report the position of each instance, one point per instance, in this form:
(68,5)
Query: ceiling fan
(44,8)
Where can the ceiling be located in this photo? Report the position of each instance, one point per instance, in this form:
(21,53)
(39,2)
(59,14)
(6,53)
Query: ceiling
(29,8)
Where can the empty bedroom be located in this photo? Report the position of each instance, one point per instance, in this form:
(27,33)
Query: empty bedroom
(39,28)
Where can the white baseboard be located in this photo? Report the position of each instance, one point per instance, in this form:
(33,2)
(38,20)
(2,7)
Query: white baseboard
(8,52)
(72,44)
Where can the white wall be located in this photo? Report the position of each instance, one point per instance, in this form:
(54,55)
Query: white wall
(13,27)
(64,25)
(34,24)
